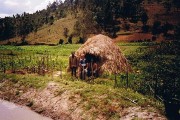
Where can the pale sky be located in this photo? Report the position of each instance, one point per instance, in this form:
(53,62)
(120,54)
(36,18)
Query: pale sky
(10,7)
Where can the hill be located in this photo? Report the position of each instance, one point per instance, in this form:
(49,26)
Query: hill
(48,34)
(74,19)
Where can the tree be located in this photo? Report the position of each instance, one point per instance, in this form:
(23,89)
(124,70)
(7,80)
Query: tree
(65,33)
(70,39)
(176,4)
(7,28)
(166,27)
(167,5)
(145,28)
(144,18)
(51,20)
(156,29)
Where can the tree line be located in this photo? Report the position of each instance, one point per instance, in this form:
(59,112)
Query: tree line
(22,24)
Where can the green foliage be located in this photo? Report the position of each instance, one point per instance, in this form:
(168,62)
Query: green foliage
(30,56)
(26,80)
(156,29)
(157,66)
(101,93)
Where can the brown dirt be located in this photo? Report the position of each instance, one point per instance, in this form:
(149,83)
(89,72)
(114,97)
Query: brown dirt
(54,104)
(133,37)
(138,112)
(137,37)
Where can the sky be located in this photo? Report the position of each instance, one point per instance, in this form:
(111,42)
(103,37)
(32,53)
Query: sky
(10,7)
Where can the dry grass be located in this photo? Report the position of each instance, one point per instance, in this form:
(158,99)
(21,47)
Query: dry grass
(52,34)
(112,59)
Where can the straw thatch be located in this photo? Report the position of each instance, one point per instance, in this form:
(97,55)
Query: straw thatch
(112,59)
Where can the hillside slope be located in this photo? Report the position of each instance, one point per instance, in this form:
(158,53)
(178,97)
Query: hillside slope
(48,34)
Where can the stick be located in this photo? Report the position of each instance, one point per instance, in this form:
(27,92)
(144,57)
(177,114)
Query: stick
(133,101)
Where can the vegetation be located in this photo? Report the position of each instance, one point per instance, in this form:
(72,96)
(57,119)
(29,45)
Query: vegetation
(32,57)
(95,99)
(93,17)
(147,59)
(156,63)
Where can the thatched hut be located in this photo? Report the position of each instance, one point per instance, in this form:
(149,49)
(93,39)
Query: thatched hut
(107,54)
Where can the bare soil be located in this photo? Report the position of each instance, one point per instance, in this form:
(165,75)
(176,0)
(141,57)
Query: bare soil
(133,37)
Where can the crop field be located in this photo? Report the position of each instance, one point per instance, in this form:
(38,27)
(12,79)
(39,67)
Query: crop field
(16,58)
(35,58)
(46,59)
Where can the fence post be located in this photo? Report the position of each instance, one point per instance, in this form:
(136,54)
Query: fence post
(4,68)
(127,80)
(60,71)
(155,90)
(115,80)
(127,76)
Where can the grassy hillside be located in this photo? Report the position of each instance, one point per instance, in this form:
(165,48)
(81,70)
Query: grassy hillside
(48,34)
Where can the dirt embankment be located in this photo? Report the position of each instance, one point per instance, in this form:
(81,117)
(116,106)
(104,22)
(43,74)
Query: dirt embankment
(49,101)
(59,105)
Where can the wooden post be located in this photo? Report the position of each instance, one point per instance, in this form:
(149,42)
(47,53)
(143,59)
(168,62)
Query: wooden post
(115,80)
(48,62)
(52,69)
(12,65)
(43,66)
(127,80)
(127,75)
(1,61)
(155,89)
(4,68)
(60,71)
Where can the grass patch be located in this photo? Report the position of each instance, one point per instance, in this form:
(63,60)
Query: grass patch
(29,81)
(103,98)
(125,33)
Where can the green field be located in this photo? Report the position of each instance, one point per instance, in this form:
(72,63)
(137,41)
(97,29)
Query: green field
(29,56)
(143,60)
(56,59)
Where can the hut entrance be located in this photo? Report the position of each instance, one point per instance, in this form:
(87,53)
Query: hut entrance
(93,65)
(92,58)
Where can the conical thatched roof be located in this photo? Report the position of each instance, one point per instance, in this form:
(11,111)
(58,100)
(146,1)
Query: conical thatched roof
(111,58)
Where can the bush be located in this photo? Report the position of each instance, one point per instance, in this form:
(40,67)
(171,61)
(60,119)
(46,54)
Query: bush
(145,28)
(81,40)
(61,41)
(156,29)
(70,39)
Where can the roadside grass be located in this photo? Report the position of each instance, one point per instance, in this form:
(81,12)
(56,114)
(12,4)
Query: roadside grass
(95,99)
(34,81)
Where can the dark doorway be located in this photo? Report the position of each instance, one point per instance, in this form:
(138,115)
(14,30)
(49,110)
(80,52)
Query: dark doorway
(92,58)
(93,65)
